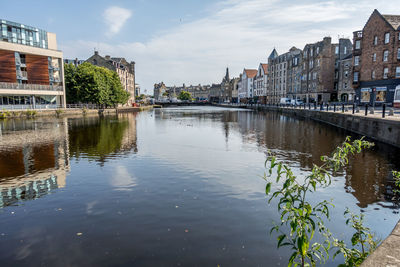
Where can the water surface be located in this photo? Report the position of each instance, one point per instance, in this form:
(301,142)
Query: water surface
(169,187)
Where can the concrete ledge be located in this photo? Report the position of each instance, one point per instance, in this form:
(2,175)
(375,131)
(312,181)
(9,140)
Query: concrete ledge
(388,253)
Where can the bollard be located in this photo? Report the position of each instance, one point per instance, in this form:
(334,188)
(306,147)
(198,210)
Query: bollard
(309,106)
(383,110)
(343,108)
(366,109)
(327,107)
(334,107)
(353,108)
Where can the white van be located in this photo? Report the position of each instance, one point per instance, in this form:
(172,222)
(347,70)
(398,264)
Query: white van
(285,101)
(296,102)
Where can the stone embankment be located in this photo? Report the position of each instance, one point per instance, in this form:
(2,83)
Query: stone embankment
(70,112)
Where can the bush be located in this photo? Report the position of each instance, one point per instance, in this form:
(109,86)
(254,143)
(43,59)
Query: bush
(30,113)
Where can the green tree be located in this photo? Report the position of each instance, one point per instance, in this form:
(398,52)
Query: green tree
(302,219)
(92,84)
(184,95)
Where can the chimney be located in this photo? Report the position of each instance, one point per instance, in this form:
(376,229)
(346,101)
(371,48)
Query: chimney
(96,53)
(108,57)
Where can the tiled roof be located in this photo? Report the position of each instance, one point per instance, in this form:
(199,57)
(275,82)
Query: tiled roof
(393,20)
(251,73)
(265,67)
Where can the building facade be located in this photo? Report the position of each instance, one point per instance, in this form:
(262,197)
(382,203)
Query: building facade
(376,59)
(124,69)
(261,83)
(277,69)
(247,83)
(31,69)
(294,72)
(346,92)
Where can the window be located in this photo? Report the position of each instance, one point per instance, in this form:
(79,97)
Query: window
(318,48)
(374,57)
(358,44)
(345,85)
(355,78)
(311,52)
(398,53)
(387,37)
(373,74)
(356,60)
(346,73)
(345,50)
(385,55)
(397,72)
(385,73)
(375,40)
(337,50)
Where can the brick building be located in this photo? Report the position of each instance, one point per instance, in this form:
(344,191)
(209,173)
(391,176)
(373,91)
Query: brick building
(294,72)
(376,55)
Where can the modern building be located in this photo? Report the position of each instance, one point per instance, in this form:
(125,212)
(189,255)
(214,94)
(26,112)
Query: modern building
(376,59)
(31,69)
(124,69)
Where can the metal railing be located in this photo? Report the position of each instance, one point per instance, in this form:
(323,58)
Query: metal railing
(39,87)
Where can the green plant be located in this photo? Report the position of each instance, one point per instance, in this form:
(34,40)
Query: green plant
(30,113)
(4,114)
(396,176)
(183,95)
(301,219)
(59,112)
(362,238)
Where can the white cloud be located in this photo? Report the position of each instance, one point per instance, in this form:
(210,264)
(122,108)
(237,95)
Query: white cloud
(238,34)
(115,18)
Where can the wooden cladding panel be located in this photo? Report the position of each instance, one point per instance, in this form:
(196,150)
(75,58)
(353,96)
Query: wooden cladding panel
(38,69)
(8,72)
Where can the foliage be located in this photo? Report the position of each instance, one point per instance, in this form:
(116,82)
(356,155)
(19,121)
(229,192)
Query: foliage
(184,95)
(59,112)
(361,238)
(4,114)
(92,84)
(303,218)
(30,113)
(165,94)
(141,97)
(396,176)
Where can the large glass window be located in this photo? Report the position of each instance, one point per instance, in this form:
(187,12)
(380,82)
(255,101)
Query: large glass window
(355,77)
(380,94)
(365,94)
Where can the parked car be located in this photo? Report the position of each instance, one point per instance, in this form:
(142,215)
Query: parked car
(296,102)
(285,101)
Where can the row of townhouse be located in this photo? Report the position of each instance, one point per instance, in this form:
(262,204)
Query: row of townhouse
(365,71)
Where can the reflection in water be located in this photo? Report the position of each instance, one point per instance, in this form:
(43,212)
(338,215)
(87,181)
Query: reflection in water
(34,154)
(101,138)
(190,196)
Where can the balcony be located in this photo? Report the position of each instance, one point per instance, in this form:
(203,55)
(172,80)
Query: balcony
(31,87)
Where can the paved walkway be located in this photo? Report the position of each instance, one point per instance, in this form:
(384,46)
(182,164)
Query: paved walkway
(388,253)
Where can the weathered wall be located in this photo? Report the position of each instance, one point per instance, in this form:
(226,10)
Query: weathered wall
(387,131)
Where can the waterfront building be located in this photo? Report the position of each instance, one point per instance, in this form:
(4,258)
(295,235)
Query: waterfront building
(320,69)
(137,90)
(376,59)
(247,85)
(215,93)
(159,90)
(226,88)
(124,69)
(277,69)
(261,83)
(345,86)
(294,72)
(31,69)
(234,83)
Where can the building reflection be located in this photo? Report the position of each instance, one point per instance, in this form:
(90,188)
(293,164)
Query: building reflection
(34,159)
(35,154)
(301,142)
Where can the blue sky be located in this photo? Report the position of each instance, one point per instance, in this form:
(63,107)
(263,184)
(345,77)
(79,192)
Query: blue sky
(191,41)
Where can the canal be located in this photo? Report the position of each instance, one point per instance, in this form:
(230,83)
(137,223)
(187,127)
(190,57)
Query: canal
(169,187)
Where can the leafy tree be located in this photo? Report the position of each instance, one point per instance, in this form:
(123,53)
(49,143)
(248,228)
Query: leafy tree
(92,84)
(184,95)
(165,94)
(301,219)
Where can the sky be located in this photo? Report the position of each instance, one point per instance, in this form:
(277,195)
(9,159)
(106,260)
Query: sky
(192,41)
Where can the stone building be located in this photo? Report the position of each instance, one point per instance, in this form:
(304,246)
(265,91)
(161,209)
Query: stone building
(320,69)
(345,87)
(159,90)
(261,83)
(215,93)
(294,72)
(277,68)
(235,89)
(226,88)
(376,59)
(124,69)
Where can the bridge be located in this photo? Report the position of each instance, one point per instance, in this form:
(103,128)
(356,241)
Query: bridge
(172,104)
